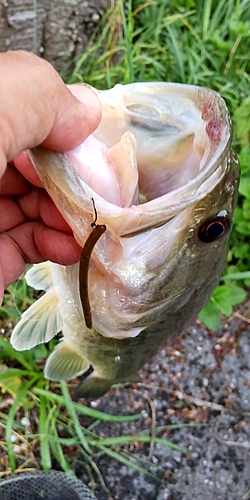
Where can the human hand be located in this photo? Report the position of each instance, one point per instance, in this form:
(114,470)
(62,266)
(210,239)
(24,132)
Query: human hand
(35,107)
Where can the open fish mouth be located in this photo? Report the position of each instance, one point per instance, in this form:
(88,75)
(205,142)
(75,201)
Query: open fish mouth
(153,155)
(176,129)
(158,169)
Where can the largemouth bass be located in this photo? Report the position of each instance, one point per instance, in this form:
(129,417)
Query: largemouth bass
(159,177)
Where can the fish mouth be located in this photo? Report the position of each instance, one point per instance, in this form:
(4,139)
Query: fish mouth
(159,148)
(155,168)
(180,133)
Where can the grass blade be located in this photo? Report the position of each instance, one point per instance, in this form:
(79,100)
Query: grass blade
(127,462)
(11,353)
(120,440)
(70,406)
(55,445)
(84,410)
(206,17)
(177,53)
(44,435)
(128,26)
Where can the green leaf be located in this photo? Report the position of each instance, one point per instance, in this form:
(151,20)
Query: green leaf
(223,304)
(239,27)
(244,159)
(9,384)
(223,298)
(244,187)
(241,251)
(242,122)
(237,294)
(236,276)
(209,315)
(226,296)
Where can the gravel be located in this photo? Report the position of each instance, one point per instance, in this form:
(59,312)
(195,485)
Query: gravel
(203,381)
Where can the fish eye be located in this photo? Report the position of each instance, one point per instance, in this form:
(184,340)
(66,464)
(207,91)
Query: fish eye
(214,229)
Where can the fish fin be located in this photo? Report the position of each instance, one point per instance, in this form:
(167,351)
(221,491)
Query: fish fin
(93,387)
(39,324)
(65,363)
(39,276)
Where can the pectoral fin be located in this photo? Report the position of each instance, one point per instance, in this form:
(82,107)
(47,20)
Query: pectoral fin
(39,276)
(64,363)
(93,387)
(39,324)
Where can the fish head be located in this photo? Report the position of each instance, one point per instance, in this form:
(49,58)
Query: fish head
(163,178)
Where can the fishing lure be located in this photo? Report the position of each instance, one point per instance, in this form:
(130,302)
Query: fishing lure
(87,249)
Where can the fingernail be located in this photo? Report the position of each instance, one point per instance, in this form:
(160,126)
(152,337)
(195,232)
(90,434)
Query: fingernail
(86,95)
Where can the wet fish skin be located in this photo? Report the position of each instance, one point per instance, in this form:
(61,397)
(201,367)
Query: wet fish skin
(116,360)
(150,273)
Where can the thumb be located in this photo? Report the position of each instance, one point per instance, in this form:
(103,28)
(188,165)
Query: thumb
(36,107)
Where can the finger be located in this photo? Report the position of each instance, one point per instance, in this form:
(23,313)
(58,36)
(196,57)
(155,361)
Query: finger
(56,246)
(50,214)
(36,204)
(20,245)
(37,107)
(1,282)
(9,253)
(12,182)
(71,127)
(29,204)
(24,165)
(37,242)
(23,162)
(11,214)
(66,253)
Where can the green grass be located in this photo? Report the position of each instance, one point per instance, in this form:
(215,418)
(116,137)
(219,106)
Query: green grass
(202,43)
(59,429)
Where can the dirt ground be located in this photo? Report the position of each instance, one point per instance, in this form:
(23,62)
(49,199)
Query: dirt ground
(202,379)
